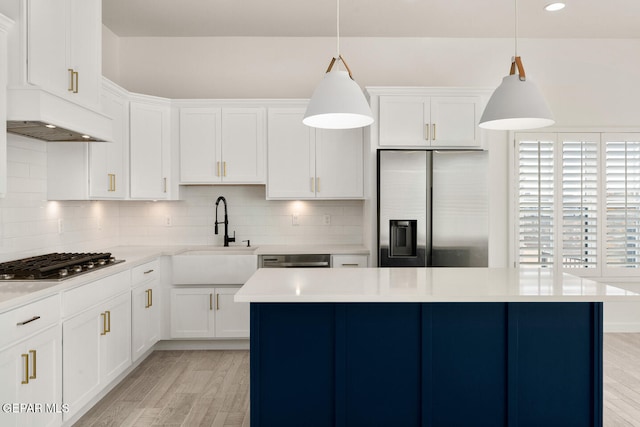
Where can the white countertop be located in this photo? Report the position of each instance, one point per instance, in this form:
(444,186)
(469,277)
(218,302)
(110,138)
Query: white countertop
(16,293)
(425,285)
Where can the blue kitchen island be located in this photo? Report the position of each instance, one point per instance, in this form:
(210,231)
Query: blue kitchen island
(425,347)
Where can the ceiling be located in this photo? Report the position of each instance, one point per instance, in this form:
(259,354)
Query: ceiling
(372,18)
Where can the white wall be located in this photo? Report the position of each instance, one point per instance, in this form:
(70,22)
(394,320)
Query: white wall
(30,222)
(587,82)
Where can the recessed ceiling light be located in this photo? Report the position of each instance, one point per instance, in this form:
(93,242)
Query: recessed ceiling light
(553,7)
(50,126)
(86,136)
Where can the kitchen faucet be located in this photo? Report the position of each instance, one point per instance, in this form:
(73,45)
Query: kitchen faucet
(227,239)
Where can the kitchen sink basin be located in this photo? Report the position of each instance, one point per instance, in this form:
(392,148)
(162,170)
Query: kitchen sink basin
(215,265)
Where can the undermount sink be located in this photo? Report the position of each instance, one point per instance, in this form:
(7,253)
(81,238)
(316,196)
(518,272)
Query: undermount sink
(222,250)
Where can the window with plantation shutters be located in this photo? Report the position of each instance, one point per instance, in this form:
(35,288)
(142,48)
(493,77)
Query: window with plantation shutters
(535,201)
(622,152)
(579,200)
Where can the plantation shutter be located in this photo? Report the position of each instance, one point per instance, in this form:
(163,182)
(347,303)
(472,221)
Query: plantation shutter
(535,200)
(622,200)
(579,200)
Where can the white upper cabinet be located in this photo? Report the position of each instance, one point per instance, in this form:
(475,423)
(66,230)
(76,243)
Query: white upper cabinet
(429,121)
(64,48)
(305,163)
(222,145)
(149,148)
(107,160)
(291,155)
(427,117)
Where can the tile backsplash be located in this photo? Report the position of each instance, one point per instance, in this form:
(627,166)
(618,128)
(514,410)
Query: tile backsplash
(32,225)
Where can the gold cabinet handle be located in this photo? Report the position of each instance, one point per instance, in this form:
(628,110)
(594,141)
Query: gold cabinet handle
(150,297)
(164,180)
(434,131)
(110,175)
(318,184)
(104,323)
(149,271)
(76,74)
(210,301)
(217,301)
(224,168)
(426,131)
(313,185)
(147,304)
(70,80)
(108,313)
(25,357)
(218,168)
(114,181)
(33,364)
(349,265)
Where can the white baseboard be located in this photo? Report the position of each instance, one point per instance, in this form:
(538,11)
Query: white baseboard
(216,344)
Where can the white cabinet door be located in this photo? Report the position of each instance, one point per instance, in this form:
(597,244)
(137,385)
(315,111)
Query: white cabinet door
(107,159)
(85,41)
(404,120)
(83,335)
(232,318)
(64,48)
(200,145)
(243,145)
(115,350)
(145,323)
(455,121)
(192,312)
(149,150)
(47,45)
(339,163)
(291,155)
(31,373)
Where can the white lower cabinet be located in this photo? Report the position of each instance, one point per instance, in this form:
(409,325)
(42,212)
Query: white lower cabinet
(208,313)
(97,348)
(349,261)
(145,309)
(31,374)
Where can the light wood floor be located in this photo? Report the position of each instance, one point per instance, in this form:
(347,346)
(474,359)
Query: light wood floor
(211,388)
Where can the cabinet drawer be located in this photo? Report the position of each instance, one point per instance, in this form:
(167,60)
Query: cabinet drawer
(29,319)
(80,298)
(349,261)
(145,272)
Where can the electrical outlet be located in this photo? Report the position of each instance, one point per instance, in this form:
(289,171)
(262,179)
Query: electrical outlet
(60,226)
(167,221)
(294,219)
(326,219)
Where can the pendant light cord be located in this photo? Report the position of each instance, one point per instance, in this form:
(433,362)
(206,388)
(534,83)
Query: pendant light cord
(516,28)
(337,28)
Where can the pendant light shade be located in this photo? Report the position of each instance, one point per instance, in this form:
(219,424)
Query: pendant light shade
(338,103)
(517,103)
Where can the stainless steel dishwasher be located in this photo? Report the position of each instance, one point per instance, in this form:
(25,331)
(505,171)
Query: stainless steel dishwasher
(295,261)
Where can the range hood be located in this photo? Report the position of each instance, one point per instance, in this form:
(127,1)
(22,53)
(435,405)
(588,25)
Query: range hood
(38,113)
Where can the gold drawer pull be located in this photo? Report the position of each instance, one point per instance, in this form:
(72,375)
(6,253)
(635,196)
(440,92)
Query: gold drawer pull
(70,80)
(104,323)
(76,74)
(26,369)
(150,297)
(218,169)
(210,301)
(224,168)
(434,131)
(217,301)
(148,271)
(108,313)
(33,356)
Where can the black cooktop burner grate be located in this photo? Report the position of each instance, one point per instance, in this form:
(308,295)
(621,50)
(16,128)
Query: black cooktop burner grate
(53,266)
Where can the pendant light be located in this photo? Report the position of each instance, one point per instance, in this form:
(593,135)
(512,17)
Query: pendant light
(517,103)
(338,101)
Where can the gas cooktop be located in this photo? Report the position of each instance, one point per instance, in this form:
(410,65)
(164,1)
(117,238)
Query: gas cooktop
(55,266)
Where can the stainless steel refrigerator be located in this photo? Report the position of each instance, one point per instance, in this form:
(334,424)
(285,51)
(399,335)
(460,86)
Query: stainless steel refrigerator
(432,208)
